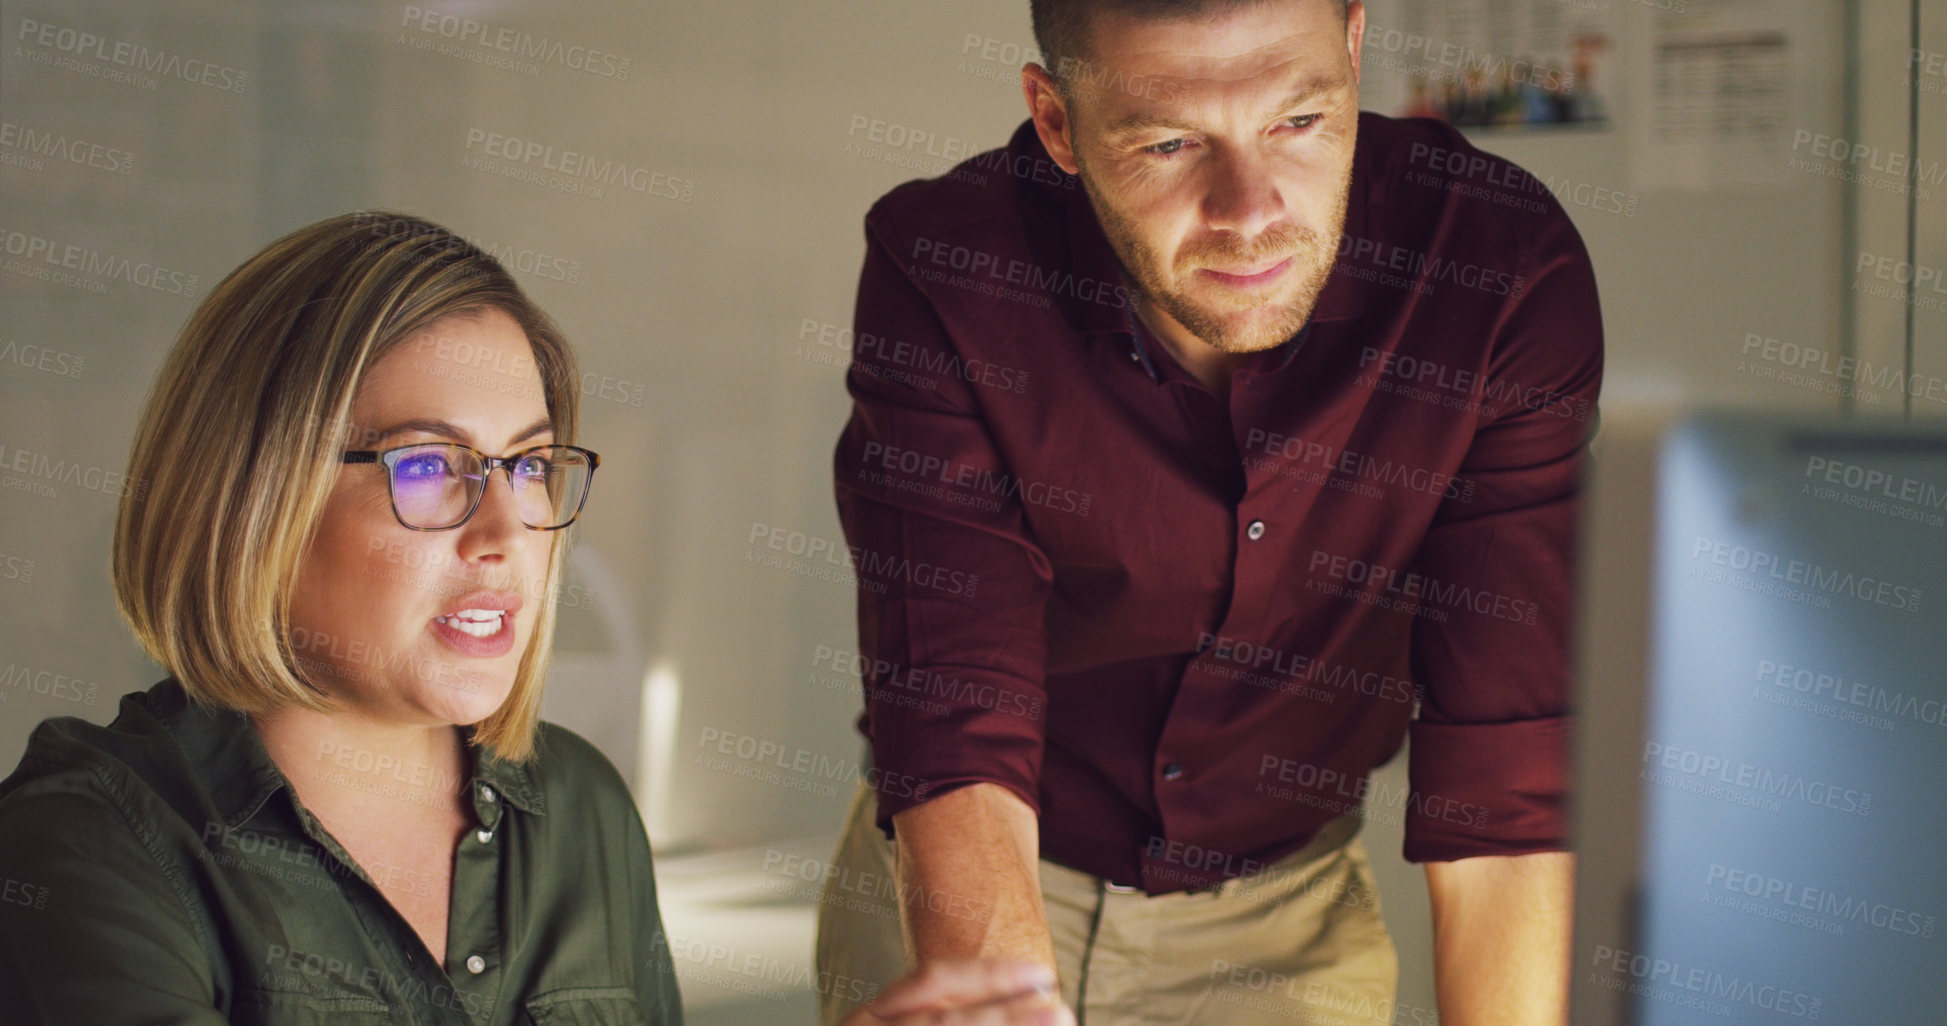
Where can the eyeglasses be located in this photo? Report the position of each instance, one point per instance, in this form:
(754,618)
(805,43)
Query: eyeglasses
(437,486)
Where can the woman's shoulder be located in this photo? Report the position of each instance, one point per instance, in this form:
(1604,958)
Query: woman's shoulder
(90,801)
(570,768)
(136,750)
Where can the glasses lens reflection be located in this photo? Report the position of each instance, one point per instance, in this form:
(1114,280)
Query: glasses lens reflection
(435,486)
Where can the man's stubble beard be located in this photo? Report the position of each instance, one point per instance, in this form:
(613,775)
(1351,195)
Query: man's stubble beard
(1313,257)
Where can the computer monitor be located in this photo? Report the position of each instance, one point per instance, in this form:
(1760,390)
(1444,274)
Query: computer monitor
(1761,749)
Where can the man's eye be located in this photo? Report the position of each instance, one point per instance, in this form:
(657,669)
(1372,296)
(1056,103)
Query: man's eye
(1303,121)
(1164,149)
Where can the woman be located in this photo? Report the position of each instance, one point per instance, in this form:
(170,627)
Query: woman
(341,807)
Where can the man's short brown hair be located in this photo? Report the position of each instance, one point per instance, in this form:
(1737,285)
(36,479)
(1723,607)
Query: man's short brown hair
(1061,26)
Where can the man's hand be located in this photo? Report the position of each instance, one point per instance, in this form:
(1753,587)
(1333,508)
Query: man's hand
(987,992)
(969,875)
(1501,938)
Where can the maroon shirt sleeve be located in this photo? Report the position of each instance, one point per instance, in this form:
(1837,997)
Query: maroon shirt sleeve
(1493,728)
(951,594)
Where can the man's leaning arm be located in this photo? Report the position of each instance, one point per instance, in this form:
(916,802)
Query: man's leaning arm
(969,878)
(952,659)
(1501,938)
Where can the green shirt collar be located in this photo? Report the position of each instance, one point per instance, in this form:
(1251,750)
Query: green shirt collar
(234,768)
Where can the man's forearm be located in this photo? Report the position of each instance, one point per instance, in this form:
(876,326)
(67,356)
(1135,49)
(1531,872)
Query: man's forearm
(1501,937)
(969,877)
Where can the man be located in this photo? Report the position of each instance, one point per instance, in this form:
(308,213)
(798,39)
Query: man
(1209,439)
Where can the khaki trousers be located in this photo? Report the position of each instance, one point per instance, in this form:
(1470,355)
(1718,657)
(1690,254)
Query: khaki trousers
(1301,941)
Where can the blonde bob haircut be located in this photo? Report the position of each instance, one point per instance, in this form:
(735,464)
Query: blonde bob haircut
(241,441)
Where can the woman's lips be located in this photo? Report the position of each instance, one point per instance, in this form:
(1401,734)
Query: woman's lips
(482,633)
(1251,279)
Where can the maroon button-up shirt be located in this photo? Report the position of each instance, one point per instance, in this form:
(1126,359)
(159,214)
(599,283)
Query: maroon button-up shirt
(1184,630)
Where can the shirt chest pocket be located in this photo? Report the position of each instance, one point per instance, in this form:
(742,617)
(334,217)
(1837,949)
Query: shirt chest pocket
(283,1008)
(587,1006)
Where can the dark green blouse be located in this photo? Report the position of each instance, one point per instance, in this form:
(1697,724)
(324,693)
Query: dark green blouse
(160,870)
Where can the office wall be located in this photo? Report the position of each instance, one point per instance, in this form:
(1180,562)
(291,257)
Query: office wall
(703,287)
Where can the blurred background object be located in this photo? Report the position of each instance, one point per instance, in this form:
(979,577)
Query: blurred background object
(1763,707)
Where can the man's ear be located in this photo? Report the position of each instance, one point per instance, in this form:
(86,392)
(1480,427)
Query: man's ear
(1355,34)
(1050,114)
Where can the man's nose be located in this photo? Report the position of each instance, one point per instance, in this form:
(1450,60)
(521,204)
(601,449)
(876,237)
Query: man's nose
(1241,195)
